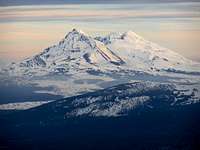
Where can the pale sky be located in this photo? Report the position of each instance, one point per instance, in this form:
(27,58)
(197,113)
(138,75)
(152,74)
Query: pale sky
(26,30)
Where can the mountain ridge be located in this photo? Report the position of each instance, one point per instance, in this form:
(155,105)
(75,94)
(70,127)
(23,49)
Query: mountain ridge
(116,51)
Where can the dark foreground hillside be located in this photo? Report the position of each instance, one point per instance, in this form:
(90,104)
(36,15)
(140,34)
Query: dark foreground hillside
(113,118)
(145,128)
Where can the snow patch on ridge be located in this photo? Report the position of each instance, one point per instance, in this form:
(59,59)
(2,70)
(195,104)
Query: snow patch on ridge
(111,109)
(22,105)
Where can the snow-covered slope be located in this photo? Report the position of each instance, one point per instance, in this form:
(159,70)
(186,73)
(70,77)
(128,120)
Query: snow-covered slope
(144,55)
(78,52)
(22,105)
(119,100)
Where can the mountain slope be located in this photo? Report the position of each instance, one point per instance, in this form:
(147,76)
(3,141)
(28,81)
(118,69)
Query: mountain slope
(143,55)
(154,123)
(75,52)
(118,100)
(79,52)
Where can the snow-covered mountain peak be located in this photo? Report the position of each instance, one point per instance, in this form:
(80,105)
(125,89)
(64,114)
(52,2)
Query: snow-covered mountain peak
(75,32)
(117,51)
(130,35)
(78,31)
(77,38)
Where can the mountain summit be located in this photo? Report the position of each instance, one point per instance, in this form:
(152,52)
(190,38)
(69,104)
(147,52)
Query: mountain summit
(115,52)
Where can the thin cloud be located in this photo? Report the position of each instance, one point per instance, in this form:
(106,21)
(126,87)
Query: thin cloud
(39,2)
(14,13)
